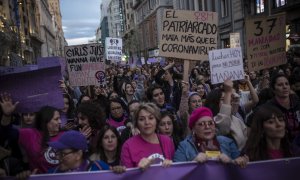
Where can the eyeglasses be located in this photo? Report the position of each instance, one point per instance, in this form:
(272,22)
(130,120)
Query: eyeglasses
(61,154)
(206,123)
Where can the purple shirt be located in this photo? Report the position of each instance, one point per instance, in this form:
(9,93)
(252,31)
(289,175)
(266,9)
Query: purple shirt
(136,148)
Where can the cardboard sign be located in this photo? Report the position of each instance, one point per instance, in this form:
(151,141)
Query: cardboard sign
(226,64)
(188,34)
(265,42)
(113,49)
(85,64)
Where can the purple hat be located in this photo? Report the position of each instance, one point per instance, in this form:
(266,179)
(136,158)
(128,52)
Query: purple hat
(199,113)
(70,140)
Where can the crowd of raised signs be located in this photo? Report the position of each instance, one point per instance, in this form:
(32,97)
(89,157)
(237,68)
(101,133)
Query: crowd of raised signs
(149,115)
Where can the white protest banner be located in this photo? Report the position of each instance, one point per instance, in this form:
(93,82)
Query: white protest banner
(113,49)
(85,64)
(226,64)
(265,42)
(234,40)
(188,34)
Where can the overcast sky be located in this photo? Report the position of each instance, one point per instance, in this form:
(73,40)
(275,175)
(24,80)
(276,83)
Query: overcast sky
(80,19)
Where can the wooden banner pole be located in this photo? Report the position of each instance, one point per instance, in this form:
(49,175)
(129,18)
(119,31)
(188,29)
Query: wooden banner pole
(186,66)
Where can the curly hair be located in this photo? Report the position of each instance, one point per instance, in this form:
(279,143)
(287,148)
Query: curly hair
(94,112)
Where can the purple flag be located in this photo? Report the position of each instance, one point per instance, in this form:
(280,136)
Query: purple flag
(212,170)
(34,89)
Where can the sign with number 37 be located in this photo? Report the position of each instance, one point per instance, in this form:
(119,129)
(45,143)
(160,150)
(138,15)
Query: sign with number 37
(265,41)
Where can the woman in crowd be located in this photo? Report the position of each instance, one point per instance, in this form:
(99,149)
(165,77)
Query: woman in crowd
(90,119)
(189,102)
(67,113)
(28,120)
(287,102)
(201,80)
(224,105)
(128,93)
(203,144)
(168,126)
(130,129)
(268,138)
(148,147)
(112,95)
(117,114)
(192,78)
(109,146)
(201,91)
(34,140)
(167,78)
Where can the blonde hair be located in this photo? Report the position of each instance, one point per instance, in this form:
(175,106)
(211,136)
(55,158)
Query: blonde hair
(151,108)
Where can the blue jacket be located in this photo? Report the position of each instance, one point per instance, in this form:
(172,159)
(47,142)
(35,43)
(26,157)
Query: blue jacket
(187,150)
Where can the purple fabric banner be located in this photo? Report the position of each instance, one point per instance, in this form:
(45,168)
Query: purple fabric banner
(4,70)
(264,170)
(48,62)
(34,88)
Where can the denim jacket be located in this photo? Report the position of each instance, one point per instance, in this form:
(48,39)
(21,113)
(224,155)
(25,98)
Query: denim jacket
(187,150)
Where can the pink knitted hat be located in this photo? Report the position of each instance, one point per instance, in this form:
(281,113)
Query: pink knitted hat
(199,113)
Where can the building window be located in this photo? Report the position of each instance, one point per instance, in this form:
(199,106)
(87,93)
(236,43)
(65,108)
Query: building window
(224,8)
(260,6)
(279,3)
(225,43)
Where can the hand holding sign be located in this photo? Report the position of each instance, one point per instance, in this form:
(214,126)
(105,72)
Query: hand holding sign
(7,105)
(201,158)
(228,85)
(145,163)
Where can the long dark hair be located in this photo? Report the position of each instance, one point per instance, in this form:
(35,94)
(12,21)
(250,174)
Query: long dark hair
(176,134)
(256,146)
(43,117)
(70,112)
(100,146)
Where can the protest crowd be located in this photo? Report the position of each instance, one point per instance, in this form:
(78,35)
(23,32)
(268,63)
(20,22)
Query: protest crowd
(149,115)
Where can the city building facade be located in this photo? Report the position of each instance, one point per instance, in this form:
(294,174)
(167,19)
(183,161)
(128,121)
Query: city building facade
(54,6)
(29,29)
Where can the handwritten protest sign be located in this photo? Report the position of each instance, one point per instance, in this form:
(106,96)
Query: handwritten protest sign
(34,86)
(113,49)
(85,64)
(265,42)
(188,34)
(226,64)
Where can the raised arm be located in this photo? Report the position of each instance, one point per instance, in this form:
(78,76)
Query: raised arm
(8,107)
(254,97)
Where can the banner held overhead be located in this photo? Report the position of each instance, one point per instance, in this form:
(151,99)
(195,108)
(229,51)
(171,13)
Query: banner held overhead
(85,64)
(188,34)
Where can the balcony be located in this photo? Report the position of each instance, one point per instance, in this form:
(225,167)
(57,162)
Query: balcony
(35,37)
